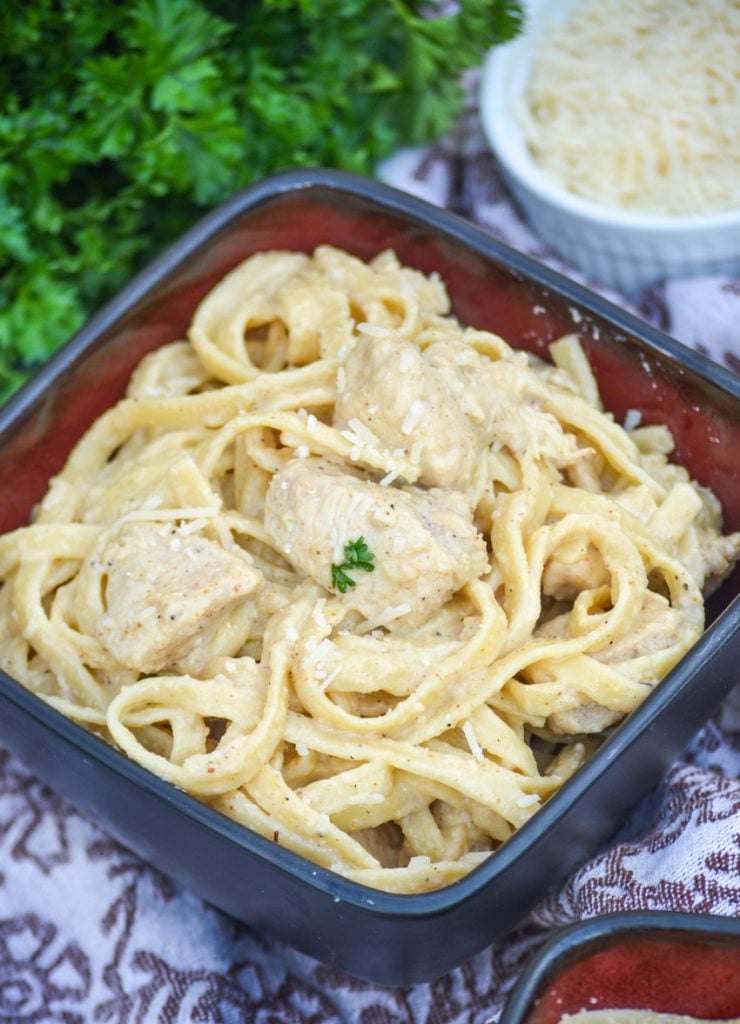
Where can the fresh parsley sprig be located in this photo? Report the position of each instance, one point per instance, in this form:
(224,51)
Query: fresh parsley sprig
(356,556)
(120,123)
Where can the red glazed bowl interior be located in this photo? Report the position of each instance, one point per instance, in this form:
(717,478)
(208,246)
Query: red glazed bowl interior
(681,974)
(645,960)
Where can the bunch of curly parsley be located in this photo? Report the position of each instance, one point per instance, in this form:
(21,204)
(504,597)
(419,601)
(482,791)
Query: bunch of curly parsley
(119,123)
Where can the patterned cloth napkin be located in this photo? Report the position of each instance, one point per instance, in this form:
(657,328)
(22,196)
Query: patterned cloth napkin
(90,933)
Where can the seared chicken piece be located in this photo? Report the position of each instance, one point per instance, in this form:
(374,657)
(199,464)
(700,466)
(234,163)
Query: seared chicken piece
(424,542)
(657,627)
(165,592)
(447,404)
(719,552)
(585,719)
(395,392)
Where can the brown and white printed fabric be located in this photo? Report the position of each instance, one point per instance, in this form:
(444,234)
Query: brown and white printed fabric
(90,933)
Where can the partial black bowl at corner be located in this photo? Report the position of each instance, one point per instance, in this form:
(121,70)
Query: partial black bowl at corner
(388,938)
(660,961)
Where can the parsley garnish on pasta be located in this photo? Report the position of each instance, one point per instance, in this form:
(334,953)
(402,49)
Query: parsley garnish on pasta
(356,556)
(121,122)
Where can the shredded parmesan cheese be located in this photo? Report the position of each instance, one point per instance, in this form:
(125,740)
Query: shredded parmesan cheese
(475,748)
(384,617)
(319,652)
(193,526)
(169,515)
(330,677)
(636,104)
(416,411)
(373,330)
(363,434)
(151,503)
(406,361)
(318,613)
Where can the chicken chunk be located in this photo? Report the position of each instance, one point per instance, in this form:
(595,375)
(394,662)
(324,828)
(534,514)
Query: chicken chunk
(405,401)
(424,542)
(719,553)
(166,592)
(448,403)
(585,719)
(657,627)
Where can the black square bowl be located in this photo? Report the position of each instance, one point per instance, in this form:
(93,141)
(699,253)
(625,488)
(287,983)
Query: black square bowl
(394,939)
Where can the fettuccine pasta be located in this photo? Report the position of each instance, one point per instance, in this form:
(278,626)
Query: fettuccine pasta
(367,581)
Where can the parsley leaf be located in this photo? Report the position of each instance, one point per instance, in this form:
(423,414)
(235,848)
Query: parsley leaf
(357,555)
(340,580)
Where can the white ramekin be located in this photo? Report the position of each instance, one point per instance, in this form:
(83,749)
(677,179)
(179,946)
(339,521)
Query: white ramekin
(622,249)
